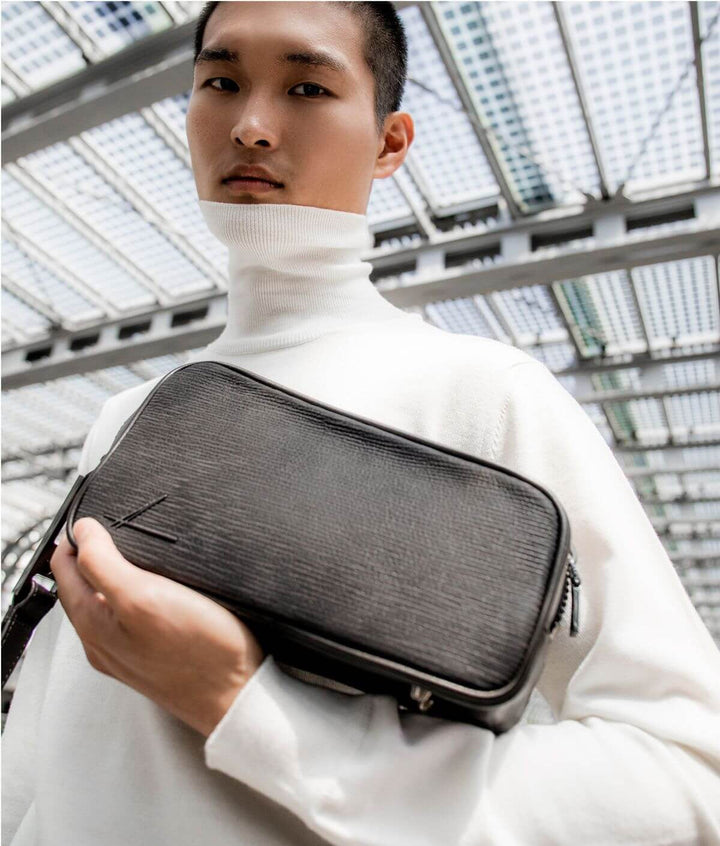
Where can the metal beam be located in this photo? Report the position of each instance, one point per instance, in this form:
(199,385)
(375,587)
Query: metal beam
(683,499)
(571,265)
(643,362)
(165,331)
(700,78)
(699,528)
(625,395)
(131,338)
(686,512)
(679,468)
(515,205)
(672,455)
(582,99)
(674,446)
(149,70)
(692,556)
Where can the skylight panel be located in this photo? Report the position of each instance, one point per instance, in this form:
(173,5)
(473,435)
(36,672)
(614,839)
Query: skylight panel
(639,419)
(161,364)
(631,57)
(446,150)
(461,316)
(680,301)
(43,283)
(556,356)
(682,374)
(79,391)
(8,95)
(97,203)
(627,379)
(595,412)
(530,312)
(521,82)
(113,26)
(387,204)
(118,378)
(603,308)
(19,314)
(697,412)
(704,546)
(140,157)
(698,510)
(172,111)
(35,47)
(42,405)
(63,244)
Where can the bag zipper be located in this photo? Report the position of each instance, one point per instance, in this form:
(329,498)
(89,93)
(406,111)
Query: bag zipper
(571,590)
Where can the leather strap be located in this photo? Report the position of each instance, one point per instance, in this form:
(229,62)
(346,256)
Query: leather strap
(33,597)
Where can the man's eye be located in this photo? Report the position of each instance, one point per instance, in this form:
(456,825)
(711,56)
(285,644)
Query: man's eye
(311,85)
(219,79)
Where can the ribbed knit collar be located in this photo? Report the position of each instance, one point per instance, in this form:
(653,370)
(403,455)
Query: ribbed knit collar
(295,273)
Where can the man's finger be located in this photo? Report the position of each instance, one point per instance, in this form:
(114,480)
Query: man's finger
(101,563)
(74,592)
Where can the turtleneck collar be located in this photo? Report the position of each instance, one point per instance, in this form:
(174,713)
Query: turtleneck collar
(294,274)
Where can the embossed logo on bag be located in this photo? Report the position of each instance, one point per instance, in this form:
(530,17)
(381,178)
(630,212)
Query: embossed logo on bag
(129,521)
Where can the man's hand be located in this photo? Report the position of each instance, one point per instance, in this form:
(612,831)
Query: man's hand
(177,647)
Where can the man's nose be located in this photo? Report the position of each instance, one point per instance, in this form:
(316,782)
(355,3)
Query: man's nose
(254,125)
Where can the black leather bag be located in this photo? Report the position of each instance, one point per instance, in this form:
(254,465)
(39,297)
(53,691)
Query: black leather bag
(363,558)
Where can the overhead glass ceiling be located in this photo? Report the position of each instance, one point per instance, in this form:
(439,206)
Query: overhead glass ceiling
(525,113)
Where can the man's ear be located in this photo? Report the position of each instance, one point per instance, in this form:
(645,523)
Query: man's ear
(393,145)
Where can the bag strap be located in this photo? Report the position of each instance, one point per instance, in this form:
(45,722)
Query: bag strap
(35,592)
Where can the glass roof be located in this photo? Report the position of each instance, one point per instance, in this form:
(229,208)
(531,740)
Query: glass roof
(105,223)
(631,56)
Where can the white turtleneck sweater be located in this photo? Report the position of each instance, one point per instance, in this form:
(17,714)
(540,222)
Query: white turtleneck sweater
(633,756)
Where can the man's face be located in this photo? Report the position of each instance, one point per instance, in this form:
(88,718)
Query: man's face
(310,126)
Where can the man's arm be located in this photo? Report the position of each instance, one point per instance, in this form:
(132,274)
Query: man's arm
(635,756)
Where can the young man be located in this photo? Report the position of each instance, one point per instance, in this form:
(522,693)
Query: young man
(146,713)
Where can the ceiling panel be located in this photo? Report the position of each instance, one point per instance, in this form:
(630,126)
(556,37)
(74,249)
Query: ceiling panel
(446,152)
(631,57)
(521,83)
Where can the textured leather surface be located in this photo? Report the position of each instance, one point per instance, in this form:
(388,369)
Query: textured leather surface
(370,538)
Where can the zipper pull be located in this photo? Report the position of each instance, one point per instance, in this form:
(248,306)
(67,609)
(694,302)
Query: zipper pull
(574,597)
(422,696)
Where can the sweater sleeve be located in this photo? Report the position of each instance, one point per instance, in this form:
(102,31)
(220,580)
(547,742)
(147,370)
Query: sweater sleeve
(634,754)
(19,748)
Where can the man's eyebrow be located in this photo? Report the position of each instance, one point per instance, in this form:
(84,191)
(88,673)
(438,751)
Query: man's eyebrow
(311,58)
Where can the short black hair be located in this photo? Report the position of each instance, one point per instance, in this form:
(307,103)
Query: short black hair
(385,50)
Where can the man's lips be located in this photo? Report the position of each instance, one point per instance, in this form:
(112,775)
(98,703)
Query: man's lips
(244,184)
(252,179)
